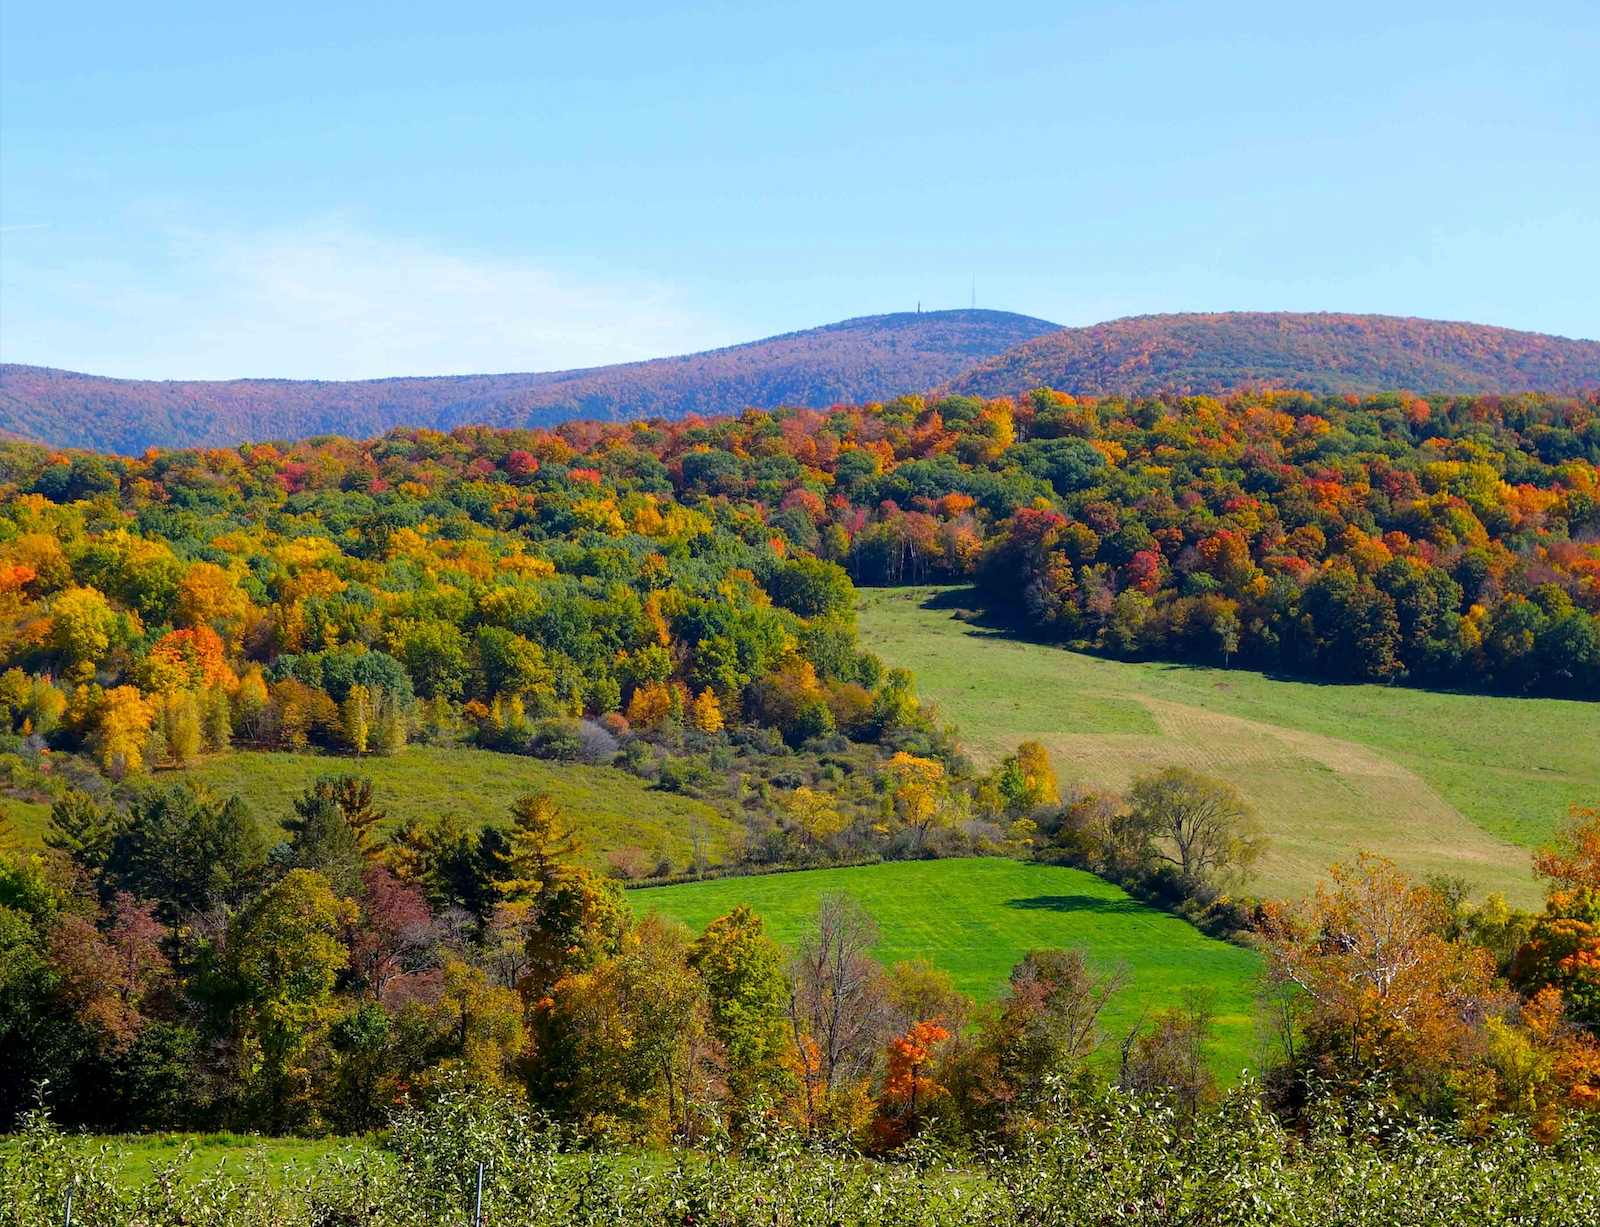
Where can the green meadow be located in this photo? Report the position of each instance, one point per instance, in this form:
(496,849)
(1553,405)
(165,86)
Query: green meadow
(977,918)
(612,808)
(1441,782)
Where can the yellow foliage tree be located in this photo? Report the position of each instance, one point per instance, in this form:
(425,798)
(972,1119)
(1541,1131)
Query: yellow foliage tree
(182,721)
(122,727)
(250,701)
(1026,779)
(706,714)
(918,792)
(650,705)
(542,843)
(815,814)
(81,622)
(210,597)
(357,717)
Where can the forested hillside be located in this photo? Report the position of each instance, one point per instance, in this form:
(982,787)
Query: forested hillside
(673,603)
(1322,353)
(865,359)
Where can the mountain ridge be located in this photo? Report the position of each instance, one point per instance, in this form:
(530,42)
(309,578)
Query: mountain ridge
(970,352)
(862,359)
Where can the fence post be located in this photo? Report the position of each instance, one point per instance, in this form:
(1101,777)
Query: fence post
(67,1221)
(477,1202)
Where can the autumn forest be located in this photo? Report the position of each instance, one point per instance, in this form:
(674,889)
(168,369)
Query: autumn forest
(672,606)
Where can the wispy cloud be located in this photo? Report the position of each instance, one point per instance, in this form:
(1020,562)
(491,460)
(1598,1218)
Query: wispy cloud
(332,300)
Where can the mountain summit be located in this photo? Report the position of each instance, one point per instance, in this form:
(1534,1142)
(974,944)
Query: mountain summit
(1321,353)
(871,358)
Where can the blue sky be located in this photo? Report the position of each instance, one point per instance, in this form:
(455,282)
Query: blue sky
(340,191)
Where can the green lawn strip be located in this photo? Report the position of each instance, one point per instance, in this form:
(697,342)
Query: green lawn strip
(138,1155)
(977,918)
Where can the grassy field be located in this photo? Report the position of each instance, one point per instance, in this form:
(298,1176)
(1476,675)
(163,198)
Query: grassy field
(29,818)
(612,808)
(977,918)
(1440,782)
(139,1155)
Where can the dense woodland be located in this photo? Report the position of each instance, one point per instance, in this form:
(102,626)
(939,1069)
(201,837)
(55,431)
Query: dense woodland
(676,600)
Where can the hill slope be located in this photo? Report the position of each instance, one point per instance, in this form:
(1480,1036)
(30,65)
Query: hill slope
(1320,353)
(872,358)
(1442,783)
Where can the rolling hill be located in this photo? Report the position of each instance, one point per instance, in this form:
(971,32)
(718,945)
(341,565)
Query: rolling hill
(1319,353)
(871,358)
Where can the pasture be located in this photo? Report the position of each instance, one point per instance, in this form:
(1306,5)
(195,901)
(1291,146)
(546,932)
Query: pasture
(977,918)
(612,808)
(1441,782)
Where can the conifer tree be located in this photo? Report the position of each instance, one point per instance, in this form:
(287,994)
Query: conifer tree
(541,844)
(82,829)
(352,797)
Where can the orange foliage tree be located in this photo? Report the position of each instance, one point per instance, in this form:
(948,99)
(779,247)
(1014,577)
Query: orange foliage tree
(1563,947)
(907,1090)
(1384,990)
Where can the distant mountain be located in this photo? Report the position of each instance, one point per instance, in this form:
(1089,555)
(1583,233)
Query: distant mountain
(1320,353)
(872,358)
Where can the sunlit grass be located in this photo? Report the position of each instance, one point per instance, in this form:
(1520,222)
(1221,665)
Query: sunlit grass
(1442,782)
(977,918)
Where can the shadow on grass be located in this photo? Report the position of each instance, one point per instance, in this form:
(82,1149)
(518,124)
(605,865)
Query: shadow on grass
(987,619)
(1079,903)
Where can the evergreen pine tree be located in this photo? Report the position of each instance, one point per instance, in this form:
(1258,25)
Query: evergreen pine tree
(82,829)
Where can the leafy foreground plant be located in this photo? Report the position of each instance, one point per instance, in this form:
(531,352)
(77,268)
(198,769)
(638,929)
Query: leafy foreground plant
(1108,1159)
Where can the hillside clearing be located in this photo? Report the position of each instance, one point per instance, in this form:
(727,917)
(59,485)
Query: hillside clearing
(1449,783)
(611,808)
(977,918)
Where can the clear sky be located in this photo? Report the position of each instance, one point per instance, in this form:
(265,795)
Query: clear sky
(339,190)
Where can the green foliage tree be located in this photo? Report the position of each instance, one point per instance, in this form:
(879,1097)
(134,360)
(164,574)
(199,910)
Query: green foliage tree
(814,588)
(1201,824)
(278,970)
(183,846)
(83,829)
(742,969)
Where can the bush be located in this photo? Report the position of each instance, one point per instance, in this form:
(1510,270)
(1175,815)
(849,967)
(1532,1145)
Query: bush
(682,774)
(630,863)
(639,758)
(597,744)
(559,739)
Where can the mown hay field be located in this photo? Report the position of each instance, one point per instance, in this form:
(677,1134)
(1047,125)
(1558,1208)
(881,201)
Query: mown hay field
(977,918)
(1441,782)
